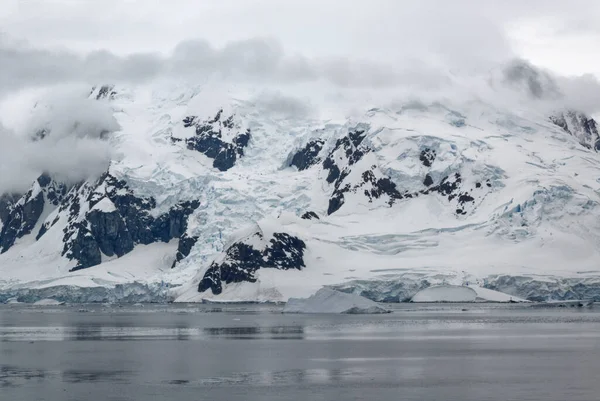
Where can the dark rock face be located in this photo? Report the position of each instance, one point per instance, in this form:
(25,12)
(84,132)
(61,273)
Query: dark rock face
(242,260)
(373,188)
(186,243)
(427,157)
(310,216)
(208,140)
(346,152)
(6,203)
(450,187)
(111,233)
(580,126)
(105,92)
(22,219)
(373,184)
(308,156)
(20,215)
(428,181)
(123,221)
(346,149)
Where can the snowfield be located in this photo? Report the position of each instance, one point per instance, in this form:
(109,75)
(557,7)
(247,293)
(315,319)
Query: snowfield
(382,204)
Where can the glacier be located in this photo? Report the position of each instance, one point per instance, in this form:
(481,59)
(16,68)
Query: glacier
(212,195)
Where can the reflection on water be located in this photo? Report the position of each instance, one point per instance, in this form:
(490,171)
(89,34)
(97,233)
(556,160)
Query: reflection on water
(287,377)
(98,332)
(484,354)
(11,376)
(256,332)
(77,376)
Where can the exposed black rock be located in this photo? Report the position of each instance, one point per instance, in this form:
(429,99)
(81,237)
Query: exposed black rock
(21,220)
(380,187)
(427,157)
(110,232)
(450,187)
(186,243)
(334,170)
(208,140)
(346,153)
(19,215)
(117,231)
(6,203)
(352,153)
(580,126)
(372,187)
(54,191)
(40,134)
(242,260)
(85,249)
(335,203)
(106,91)
(309,155)
(310,216)
(428,181)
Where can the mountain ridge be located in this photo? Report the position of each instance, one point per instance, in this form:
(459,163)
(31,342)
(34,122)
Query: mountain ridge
(399,191)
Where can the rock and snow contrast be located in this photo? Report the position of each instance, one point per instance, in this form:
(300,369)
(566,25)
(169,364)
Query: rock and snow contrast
(331,301)
(229,195)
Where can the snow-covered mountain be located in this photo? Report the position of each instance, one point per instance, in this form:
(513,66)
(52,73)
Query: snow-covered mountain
(225,196)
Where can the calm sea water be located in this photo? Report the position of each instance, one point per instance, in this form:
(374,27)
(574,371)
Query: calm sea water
(203,352)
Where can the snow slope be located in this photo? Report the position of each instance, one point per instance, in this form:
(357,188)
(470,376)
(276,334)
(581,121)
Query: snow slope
(394,199)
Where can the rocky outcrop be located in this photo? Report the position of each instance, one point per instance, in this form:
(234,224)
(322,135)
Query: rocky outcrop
(427,157)
(20,215)
(348,151)
(103,92)
(308,156)
(310,216)
(115,221)
(243,258)
(211,139)
(580,126)
(186,243)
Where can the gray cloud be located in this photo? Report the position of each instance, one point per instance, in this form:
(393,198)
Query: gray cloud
(260,60)
(72,148)
(581,93)
(533,81)
(371,53)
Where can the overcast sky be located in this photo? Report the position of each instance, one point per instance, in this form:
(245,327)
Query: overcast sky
(561,35)
(422,46)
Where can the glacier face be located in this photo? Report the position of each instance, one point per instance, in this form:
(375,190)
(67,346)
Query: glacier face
(223,199)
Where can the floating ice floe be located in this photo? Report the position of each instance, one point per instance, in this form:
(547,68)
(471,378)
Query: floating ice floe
(330,301)
(456,293)
(48,302)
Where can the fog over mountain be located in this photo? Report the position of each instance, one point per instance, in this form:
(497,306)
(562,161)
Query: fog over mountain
(236,149)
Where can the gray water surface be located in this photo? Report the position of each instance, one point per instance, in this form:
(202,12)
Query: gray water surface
(253,352)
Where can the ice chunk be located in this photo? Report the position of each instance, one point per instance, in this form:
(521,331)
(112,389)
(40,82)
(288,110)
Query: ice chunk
(48,302)
(330,301)
(446,293)
(485,294)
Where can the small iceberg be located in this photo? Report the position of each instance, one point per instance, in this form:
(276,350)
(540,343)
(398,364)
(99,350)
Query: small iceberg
(327,300)
(13,301)
(458,293)
(48,302)
(446,293)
